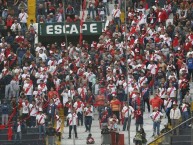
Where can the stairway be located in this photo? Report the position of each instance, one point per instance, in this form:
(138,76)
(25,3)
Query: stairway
(183,138)
(31,137)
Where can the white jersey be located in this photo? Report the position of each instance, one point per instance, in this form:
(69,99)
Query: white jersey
(116,13)
(65,97)
(168,103)
(171,92)
(72,118)
(28,88)
(156,116)
(23,17)
(88,111)
(162,92)
(25,107)
(42,88)
(127,111)
(152,68)
(41,119)
(33,110)
(56,101)
(58,124)
(78,106)
(184,107)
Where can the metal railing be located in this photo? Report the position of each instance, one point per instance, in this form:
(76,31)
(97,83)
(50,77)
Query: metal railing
(166,137)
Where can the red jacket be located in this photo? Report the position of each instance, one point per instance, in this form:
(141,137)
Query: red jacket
(156,102)
(175,42)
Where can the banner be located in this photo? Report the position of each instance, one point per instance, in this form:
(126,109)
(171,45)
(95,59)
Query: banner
(61,29)
(31,11)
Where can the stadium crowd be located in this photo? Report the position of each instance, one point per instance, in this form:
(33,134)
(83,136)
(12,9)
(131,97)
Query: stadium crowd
(117,74)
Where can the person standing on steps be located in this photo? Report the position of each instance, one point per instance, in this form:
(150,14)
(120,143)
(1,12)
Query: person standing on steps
(40,122)
(168,106)
(175,116)
(116,14)
(156,102)
(156,117)
(138,118)
(72,121)
(51,132)
(127,111)
(88,112)
(78,105)
(58,127)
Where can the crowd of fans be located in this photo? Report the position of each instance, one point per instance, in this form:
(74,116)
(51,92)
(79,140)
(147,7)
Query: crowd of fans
(150,55)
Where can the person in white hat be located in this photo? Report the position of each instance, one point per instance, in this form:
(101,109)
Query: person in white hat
(175,116)
(40,122)
(156,117)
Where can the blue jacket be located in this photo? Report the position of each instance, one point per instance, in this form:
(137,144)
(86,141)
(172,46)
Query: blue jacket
(21,52)
(51,109)
(5,108)
(15,125)
(145,93)
(190,63)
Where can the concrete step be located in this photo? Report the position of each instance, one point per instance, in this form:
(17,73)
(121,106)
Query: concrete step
(181,143)
(96,132)
(24,142)
(180,138)
(24,136)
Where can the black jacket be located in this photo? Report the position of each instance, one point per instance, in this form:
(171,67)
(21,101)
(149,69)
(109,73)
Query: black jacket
(15,127)
(51,131)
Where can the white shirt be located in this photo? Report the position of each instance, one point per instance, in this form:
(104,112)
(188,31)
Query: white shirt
(72,118)
(51,62)
(82,91)
(88,111)
(171,92)
(168,103)
(15,26)
(184,107)
(142,80)
(175,114)
(78,108)
(58,125)
(38,49)
(65,97)
(33,110)
(116,13)
(42,89)
(156,116)
(127,111)
(56,101)
(41,119)
(112,88)
(23,17)
(43,56)
(18,127)
(152,68)
(71,93)
(28,88)
(25,108)
(162,92)
(23,76)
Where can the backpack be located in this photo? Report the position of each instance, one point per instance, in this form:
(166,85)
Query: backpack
(138,137)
